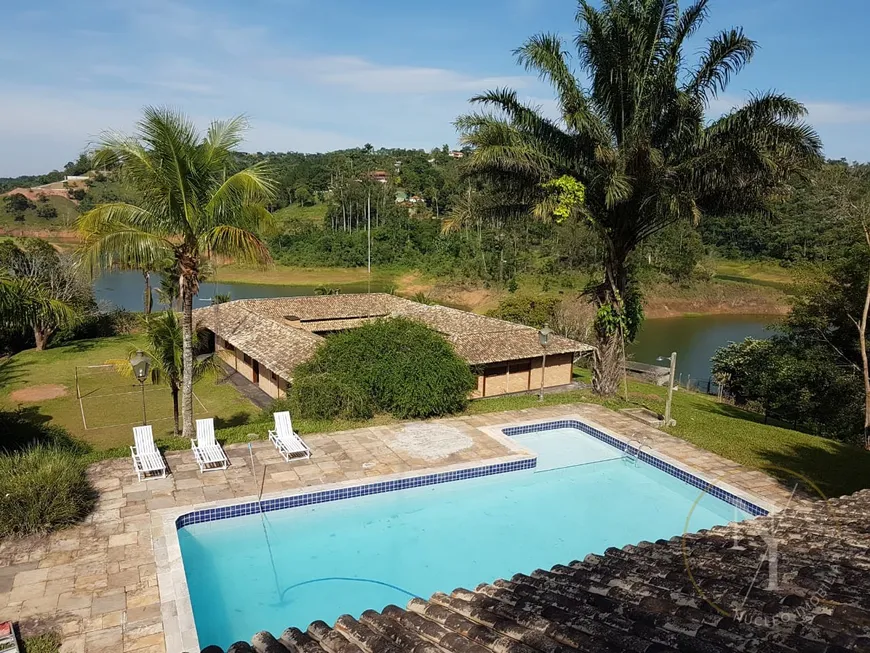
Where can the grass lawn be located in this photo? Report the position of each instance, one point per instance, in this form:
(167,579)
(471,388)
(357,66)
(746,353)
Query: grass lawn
(314,213)
(725,430)
(66,216)
(109,415)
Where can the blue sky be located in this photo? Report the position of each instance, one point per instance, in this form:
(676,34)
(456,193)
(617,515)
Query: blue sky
(316,75)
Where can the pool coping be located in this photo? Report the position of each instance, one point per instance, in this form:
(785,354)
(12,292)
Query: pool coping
(179,626)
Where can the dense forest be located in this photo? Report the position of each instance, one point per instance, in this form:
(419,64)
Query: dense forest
(425,212)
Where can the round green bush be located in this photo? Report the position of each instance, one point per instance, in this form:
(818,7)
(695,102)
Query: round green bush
(43,488)
(324,396)
(403,367)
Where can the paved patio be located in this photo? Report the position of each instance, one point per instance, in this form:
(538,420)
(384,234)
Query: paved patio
(97,583)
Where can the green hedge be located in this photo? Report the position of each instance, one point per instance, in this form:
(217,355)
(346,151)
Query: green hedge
(325,396)
(402,367)
(43,488)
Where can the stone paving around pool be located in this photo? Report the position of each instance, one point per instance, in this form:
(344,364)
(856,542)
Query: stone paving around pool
(97,583)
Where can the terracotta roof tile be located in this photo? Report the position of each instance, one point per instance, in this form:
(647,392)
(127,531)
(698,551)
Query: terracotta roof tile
(640,598)
(260,328)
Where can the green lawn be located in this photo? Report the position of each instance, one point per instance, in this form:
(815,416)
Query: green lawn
(111,404)
(314,213)
(730,432)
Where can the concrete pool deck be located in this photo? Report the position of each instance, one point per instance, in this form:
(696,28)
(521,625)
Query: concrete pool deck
(109,584)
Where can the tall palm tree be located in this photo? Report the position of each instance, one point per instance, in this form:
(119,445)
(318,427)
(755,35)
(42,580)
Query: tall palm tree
(636,141)
(191,208)
(165,349)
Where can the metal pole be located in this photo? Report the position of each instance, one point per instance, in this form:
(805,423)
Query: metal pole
(670,389)
(369,230)
(144,417)
(543,371)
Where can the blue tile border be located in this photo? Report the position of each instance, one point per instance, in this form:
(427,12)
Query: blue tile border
(282,503)
(676,472)
(323,496)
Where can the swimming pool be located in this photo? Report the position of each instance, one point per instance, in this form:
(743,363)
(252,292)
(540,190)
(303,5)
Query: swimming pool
(291,567)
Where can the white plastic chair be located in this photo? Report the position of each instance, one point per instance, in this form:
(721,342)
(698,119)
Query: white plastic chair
(288,443)
(147,459)
(208,453)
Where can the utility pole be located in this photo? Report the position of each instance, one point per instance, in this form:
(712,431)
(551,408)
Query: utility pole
(369,235)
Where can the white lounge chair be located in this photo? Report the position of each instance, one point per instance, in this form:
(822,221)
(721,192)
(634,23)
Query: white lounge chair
(147,459)
(208,453)
(288,443)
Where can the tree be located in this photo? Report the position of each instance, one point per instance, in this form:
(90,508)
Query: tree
(23,303)
(165,349)
(191,208)
(637,141)
(45,290)
(18,203)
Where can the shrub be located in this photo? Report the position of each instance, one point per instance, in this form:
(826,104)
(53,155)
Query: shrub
(46,211)
(44,643)
(404,367)
(531,311)
(43,488)
(324,396)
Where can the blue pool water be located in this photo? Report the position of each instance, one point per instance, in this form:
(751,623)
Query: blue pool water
(291,567)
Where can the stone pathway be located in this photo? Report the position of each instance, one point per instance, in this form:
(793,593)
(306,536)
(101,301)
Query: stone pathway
(97,584)
(253,393)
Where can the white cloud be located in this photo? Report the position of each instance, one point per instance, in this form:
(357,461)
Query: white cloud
(362,75)
(838,113)
(818,113)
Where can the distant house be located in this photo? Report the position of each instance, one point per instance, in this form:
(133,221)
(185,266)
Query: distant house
(264,340)
(416,199)
(380,176)
(457,154)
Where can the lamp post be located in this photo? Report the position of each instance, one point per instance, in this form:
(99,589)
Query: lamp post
(673,359)
(544,339)
(141,364)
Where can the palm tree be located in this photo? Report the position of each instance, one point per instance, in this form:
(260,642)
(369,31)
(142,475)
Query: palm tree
(165,349)
(191,208)
(636,142)
(23,302)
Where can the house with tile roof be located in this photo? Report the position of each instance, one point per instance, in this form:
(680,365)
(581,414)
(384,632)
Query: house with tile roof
(266,339)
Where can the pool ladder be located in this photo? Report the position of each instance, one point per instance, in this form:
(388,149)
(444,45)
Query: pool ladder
(629,457)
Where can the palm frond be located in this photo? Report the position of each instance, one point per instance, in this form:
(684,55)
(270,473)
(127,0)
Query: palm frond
(243,245)
(727,53)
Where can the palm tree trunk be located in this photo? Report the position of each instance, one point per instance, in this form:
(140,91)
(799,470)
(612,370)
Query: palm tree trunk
(608,361)
(187,291)
(148,299)
(174,387)
(41,336)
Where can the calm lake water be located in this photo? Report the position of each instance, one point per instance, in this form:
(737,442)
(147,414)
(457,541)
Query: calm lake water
(126,290)
(695,339)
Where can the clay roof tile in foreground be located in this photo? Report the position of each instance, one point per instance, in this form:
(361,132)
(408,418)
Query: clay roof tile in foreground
(640,598)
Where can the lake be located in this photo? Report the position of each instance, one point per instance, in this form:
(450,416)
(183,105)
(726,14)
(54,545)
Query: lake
(126,290)
(695,339)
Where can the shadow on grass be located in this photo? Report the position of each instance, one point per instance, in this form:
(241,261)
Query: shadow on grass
(835,470)
(735,412)
(78,346)
(23,427)
(237,419)
(11,370)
